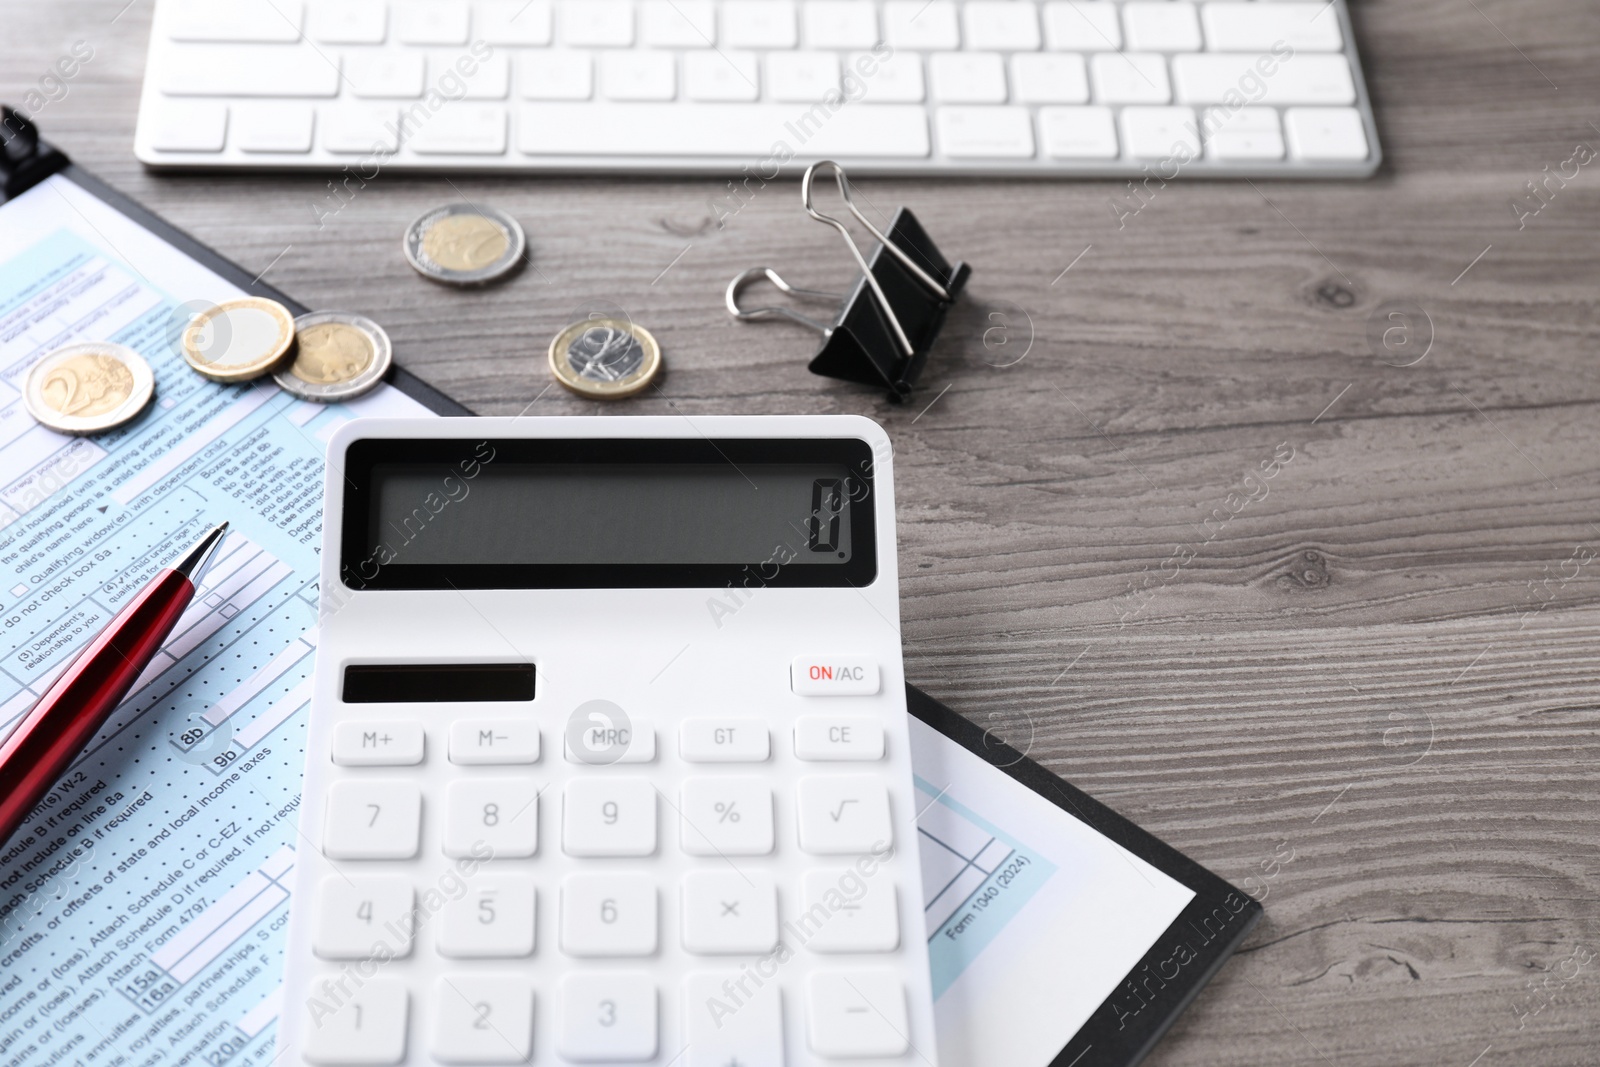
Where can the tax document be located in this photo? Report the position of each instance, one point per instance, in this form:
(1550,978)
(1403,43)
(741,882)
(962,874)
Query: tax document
(142,904)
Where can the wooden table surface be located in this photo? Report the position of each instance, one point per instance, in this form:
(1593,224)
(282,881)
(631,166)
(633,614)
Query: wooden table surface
(1358,688)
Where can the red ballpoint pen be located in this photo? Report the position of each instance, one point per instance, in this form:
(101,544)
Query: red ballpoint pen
(80,701)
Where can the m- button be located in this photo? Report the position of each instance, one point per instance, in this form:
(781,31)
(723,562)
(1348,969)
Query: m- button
(839,676)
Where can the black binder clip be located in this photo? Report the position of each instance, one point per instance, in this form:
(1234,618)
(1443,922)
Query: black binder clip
(25,161)
(886,325)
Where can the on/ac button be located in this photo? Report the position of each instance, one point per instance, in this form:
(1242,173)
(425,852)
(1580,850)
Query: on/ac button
(837,676)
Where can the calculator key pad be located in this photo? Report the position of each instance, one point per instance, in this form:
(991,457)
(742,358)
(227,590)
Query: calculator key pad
(609,915)
(493,814)
(494,919)
(606,816)
(844,814)
(492,741)
(378,744)
(482,1018)
(726,816)
(366,1026)
(608,1018)
(357,913)
(372,820)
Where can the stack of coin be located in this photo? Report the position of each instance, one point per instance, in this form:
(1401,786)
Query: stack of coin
(465,245)
(88,388)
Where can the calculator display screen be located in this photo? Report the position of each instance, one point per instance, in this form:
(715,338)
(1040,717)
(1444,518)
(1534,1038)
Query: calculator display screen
(608,513)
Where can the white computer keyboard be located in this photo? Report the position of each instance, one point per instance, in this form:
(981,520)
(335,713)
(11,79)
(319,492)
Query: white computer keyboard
(608,757)
(1268,88)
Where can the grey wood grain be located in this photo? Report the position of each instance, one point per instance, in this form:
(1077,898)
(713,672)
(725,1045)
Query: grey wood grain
(1363,688)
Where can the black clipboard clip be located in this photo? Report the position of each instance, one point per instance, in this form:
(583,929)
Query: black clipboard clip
(886,325)
(25,161)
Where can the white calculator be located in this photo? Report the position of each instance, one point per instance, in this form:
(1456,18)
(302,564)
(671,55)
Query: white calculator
(607,759)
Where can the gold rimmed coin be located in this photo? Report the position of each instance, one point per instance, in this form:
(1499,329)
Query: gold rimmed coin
(465,244)
(605,359)
(88,388)
(238,340)
(337,356)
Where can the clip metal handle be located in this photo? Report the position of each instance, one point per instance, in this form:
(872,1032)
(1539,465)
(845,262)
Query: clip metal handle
(893,249)
(745,278)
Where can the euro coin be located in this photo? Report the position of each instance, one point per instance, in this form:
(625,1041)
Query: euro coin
(337,356)
(605,359)
(88,388)
(239,339)
(463,244)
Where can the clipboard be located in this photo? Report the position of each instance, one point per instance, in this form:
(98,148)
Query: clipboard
(1165,974)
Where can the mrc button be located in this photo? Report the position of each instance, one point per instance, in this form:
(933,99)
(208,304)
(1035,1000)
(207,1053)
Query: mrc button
(834,676)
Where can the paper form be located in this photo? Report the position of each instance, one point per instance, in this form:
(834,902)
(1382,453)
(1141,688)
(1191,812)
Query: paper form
(1033,918)
(142,906)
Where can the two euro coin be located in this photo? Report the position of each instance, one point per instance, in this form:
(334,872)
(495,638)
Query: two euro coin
(88,388)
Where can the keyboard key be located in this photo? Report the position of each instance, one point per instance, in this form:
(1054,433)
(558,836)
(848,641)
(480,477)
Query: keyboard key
(718,75)
(758,24)
(1256,27)
(355,744)
(895,79)
(1130,78)
(967,77)
(608,1017)
(856,1013)
(556,74)
(248,70)
(1162,26)
(926,25)
(1160,133)
(844,676)
(641,75)
(348,22)
(1001,25)
(838,737)
(725,130)
(482,1018)
(730,913)
(986,132)
(234,20)
(495,918)
(1301,79)
(1049,78)
(604,744)
(802,77)
(523,23)
(1332,134)
(484,79)
(359,130)
(368,820)
(752,1034)
(432,21)
(844,813)
(726,816)
(358,913)
(1250,133)
(501,813)
(841,911)
(385,75)
(724,740)
(491,741)
(187,126)
(838,24)
(1078,132)
(608,915)
(465,129)
(609,817)
(596,23)
(1089,26)
(678,23)
(367,1028)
